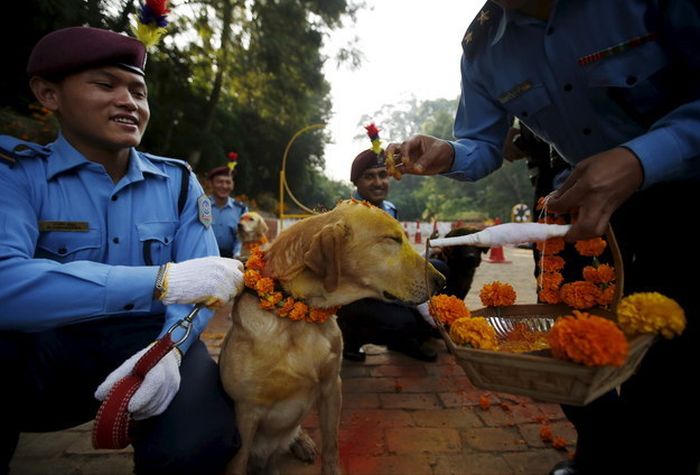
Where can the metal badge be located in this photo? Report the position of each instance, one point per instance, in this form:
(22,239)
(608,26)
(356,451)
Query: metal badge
(204,206)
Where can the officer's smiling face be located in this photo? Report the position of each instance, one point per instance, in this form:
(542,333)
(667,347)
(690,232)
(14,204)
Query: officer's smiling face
(373,185)
(103,109)
(221,186)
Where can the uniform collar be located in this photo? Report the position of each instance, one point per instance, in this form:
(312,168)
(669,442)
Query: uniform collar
(229,202)
(385,205)
(65,157)
(515,17)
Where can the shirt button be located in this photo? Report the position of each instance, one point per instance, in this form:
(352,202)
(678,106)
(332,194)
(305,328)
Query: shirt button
(631,80)
(129,306)
(115,240)
(568,87)
(62,250)
(166,240)
(114,198)
(523,113)
(586,131)
(550,30)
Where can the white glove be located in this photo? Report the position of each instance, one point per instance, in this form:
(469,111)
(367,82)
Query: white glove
(157,389)
(213,281)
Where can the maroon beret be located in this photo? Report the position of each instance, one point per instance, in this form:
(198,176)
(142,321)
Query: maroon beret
(70,50)
(222,170)
(364,161)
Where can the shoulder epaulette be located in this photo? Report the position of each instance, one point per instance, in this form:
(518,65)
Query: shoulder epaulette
(173,161)
(13,149)
(478,30)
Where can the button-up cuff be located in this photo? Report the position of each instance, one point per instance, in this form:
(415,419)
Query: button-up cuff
(659,153)
(130,289)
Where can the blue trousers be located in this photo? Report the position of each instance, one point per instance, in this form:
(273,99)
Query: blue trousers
(52,377)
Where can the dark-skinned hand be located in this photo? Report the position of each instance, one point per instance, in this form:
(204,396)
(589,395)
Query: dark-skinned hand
(596,188)
(422,155)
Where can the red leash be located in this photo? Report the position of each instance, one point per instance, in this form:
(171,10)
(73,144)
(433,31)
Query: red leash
(113,422)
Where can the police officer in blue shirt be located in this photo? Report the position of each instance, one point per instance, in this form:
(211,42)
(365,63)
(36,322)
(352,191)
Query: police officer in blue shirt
(101,248)
(226,212)
(615,88)
(399,327)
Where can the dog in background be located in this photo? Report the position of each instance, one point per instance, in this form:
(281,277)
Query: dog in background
(276,369)
(252,232)
(462,262)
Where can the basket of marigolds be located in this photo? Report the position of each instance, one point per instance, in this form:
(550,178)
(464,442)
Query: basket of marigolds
(582,340)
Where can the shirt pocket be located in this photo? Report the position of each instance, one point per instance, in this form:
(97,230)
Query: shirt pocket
(633,81)
(156,240)
(527,101)
(62,246)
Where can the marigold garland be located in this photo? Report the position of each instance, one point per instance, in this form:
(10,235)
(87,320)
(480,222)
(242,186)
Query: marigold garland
(591,247)
(651,312)
(588,339)
(474,331)
(497,294)
(274,299)
(447,308)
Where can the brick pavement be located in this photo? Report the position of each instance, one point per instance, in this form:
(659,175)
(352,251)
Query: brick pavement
(400,416)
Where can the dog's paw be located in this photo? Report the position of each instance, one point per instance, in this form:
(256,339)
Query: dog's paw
(304,447)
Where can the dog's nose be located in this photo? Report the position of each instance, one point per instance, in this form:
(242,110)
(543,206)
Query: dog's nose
(438,282)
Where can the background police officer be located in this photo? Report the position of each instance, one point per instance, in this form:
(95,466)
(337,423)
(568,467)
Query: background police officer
(100,246)
(226,212)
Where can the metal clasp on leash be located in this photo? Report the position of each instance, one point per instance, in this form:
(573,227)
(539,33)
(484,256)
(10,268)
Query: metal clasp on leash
(185,323)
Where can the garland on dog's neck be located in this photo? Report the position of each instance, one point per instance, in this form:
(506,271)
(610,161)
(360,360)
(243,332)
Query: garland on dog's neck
(274,298)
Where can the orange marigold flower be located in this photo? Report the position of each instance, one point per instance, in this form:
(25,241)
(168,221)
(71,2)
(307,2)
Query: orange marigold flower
(474,331)
(579,294)
(551,246)
(559,443)
(651,312)
(607,295)
(298,311)
(447,308)
(549,296)
(484,401)
(599,275)
(265,285)
(588,339)
(546,433)
(250,278)
(551,280)
(552,263)
(256,261)
(286,307)
(497,294)
(320,315)
(591,247)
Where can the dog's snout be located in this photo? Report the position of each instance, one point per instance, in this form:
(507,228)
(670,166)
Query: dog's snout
(438,282)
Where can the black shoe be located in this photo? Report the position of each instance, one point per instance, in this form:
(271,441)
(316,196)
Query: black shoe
(354,355)
(420,351)
(567,467)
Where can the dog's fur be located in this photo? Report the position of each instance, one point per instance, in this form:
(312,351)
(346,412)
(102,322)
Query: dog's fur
(462,262)
(275,369)
(252,232)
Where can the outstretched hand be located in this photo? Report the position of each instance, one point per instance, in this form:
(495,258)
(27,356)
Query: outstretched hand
(421,155)
(596,188)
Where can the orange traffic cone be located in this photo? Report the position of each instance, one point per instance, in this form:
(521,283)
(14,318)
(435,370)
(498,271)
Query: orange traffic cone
(418,239)
(496,255)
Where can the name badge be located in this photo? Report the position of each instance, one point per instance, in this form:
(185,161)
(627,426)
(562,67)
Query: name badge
(515,92)
(66,226)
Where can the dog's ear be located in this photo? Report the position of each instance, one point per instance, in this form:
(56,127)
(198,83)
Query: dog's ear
(323,255)
(263,226)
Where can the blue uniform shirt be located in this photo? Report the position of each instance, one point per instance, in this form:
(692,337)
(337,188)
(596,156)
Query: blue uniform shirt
(72,241)
(598,75)
(225,224)
(387,205)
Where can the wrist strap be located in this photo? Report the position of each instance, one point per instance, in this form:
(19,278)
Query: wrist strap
(113,421)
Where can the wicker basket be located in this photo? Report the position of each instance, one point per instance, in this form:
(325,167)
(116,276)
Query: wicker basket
(538,374)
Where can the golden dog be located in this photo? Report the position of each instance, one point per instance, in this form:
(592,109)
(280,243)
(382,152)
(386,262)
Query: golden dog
(252,232)
(274,368)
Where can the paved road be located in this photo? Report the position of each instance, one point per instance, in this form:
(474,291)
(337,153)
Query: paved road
(400,416)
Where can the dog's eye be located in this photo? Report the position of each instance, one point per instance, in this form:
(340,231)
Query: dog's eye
(393,239)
